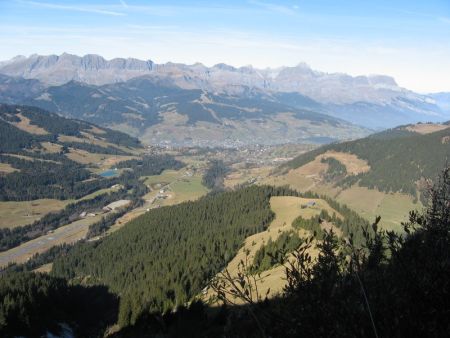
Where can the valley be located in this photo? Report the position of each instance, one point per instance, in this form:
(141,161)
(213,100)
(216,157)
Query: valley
(224,169)
(166,226)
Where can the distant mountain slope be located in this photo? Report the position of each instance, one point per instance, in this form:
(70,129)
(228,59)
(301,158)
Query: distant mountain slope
(442,100)
(160,112)
(398,158)
(374,101)
(17,89)
(37,152)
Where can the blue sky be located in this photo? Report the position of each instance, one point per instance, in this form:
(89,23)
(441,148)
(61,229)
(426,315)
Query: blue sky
(409,40)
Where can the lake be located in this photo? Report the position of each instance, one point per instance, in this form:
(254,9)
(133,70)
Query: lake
(109,173)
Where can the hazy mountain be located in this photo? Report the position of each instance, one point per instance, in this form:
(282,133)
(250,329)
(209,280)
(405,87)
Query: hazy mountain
(442,100)
(162,113)
(14,89)
(57,70)
(374,101)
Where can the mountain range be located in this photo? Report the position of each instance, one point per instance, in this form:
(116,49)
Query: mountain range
(195,104)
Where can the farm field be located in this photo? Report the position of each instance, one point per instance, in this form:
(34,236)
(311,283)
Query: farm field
(16,214)
(22,213)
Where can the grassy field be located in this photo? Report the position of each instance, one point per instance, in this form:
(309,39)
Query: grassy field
(369,203)
(393,208)
(15,214)
(353,164)
(102,161)
(6,168)
(51,147)
(91,139)
(244,175)
(25,125)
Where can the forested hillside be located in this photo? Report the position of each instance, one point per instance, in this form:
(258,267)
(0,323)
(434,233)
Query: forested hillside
(398,159)
(395,286)
(132,188)
(166,256)
(27,134)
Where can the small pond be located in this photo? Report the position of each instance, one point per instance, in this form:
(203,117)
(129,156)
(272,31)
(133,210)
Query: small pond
(109,173)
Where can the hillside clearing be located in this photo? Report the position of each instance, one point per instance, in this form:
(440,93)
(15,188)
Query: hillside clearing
(369,203)
(6,168)
(426,128)
(25,125)
(103,161)
(286,209)
(242,176)
(353,163)
(51,148)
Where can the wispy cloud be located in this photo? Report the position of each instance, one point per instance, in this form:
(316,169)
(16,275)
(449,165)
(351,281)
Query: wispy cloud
(78,8)
(124,4)
(275,7)
(444,19)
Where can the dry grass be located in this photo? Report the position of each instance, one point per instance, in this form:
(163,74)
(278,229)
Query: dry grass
(51,147)
(46,268)
(102,161)
(91,139)
(296,179)
(25,125)
(244,175)
(28,158)
(97,130)
(6,168)
(353,164)
(369,203)
(426,128)
(15,214)
(85,157)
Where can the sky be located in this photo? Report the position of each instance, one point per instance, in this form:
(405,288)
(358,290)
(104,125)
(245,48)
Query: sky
(409,40)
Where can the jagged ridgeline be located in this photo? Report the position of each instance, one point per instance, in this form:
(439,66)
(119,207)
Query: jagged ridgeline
(398,158)
(167,256)
(36,145)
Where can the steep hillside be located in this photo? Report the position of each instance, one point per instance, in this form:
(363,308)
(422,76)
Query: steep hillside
(42,153)
(384,174)
(165,257)
(398,158)
(17,89)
